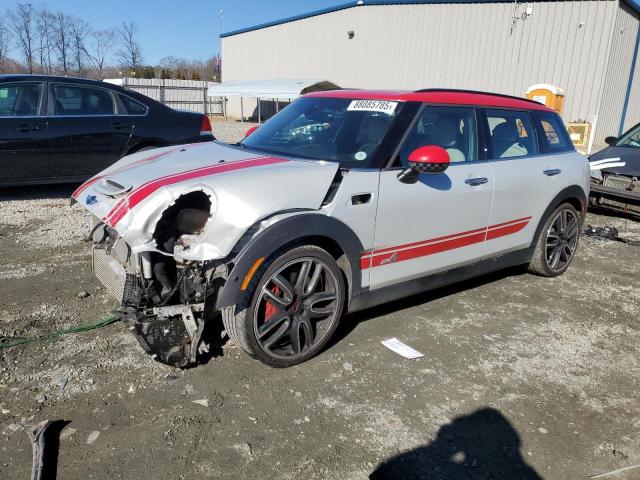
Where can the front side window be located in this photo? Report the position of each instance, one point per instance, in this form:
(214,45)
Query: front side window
(78,100)
(452,128)
(552,133)
(511,134)
(342,130)
(20,100)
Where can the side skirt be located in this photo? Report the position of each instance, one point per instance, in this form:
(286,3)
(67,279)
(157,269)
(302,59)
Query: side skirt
(377,297)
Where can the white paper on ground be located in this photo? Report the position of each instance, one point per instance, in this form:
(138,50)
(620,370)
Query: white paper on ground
(400,348)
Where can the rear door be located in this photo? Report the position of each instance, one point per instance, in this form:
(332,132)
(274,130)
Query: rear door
(23,133)
(527,177)
(440,221)
(87,129)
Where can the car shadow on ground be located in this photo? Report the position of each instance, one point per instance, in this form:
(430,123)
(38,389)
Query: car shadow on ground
(480,445)
(38,192)
(351,321)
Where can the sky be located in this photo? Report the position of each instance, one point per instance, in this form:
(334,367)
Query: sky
(180,28)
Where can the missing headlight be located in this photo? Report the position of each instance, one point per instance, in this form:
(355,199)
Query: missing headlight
(191,220)
(188,215)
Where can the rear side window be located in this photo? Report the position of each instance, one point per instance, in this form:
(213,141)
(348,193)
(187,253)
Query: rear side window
(76,100)
(452,128)
(20,100)
(511,134)
(133,107)
(552,133)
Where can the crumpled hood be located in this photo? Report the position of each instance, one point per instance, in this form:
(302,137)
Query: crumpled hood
(244,187)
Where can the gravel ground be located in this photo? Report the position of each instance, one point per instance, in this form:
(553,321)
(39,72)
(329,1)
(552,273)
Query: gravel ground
(523,377)
(231,131)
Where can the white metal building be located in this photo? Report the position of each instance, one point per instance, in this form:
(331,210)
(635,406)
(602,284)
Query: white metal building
(588,48)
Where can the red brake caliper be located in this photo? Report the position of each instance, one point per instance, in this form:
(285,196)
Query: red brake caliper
(270,309)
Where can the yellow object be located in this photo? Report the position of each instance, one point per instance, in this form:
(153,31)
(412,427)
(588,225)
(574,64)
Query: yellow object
(250,273)
(579,133)
(552,97)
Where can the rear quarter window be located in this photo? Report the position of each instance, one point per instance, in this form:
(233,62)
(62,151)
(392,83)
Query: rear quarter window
(552,134)
(132,106)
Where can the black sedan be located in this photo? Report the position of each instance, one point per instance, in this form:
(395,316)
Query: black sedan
(57,129)
(615,173)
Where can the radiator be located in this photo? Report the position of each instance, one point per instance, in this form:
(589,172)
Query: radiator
(110,273)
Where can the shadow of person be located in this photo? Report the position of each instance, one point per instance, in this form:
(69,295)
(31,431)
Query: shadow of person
(482,445)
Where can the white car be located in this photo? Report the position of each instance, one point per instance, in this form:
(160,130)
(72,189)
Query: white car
(344,200)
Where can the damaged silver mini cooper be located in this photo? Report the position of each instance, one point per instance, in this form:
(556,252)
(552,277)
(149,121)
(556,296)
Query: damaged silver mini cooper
(342,201)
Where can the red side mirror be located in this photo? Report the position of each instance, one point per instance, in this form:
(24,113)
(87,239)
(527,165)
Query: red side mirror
(250,131)
(429,159)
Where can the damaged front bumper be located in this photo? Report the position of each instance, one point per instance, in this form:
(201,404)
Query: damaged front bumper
(618,192)
(167,316)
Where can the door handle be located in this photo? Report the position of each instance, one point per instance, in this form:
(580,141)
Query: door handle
(361,199)
(120,126)
(24,128)
(550,172)
(474,182)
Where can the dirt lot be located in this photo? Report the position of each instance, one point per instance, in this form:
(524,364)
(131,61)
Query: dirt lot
(524,377)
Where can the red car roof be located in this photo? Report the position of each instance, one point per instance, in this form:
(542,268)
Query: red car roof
(449,97)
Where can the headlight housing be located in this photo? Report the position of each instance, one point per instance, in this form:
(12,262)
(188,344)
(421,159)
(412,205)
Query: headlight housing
(596,174)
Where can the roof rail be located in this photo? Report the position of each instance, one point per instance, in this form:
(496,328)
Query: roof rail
(455,90)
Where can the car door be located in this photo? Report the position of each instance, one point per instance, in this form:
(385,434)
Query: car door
(23,133)
(438,222)
(86,133)
(526,179)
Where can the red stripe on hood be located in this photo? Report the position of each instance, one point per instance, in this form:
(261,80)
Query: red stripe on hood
(131,165)
(139,194)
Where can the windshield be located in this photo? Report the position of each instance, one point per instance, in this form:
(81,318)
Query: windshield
(630,139)
(332,129)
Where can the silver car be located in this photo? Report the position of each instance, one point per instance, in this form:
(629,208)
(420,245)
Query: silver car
(344,200)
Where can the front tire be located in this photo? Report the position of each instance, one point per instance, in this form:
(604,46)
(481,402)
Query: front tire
(557,242)
(297,299)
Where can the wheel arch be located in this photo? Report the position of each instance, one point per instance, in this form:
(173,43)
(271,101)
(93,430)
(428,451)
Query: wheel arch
(572,194)
(316,229)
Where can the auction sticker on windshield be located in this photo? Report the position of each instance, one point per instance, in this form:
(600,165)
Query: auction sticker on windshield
(380,106)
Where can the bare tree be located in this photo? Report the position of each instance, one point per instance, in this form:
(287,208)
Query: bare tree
(130,52)
(44,27)
(62,39)
(101,44)
(22,23)
(4,45)
(79,30)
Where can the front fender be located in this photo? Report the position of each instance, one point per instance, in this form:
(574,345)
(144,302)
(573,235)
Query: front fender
(289,231)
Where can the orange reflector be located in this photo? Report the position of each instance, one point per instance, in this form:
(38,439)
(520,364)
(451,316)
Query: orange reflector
(250,273)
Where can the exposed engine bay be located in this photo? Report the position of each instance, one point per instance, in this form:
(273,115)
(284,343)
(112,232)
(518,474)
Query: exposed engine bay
(163,296)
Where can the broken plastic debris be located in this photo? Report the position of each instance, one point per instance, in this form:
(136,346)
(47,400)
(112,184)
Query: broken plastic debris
(204,402)
(401,349)
(93,436)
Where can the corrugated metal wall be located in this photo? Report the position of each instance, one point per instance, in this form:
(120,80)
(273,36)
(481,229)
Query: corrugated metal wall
(623,44)
(472,46)
(633,109)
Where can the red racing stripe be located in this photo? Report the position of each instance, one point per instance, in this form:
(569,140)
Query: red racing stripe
(143,191)
(131,165)
(409,251)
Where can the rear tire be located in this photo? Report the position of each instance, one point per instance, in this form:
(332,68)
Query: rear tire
(557,242)
(296,301)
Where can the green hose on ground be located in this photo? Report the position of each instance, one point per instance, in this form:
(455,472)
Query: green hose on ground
(10,342)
